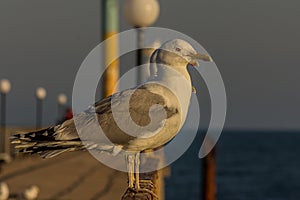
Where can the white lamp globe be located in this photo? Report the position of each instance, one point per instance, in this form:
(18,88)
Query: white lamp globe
(62,99)
(5,86)
(4,191)
(141,13)
(31,193)
(41,93)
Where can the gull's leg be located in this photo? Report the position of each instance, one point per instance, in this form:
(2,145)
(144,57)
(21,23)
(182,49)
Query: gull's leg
(137,178)
(137,171)
(130,169)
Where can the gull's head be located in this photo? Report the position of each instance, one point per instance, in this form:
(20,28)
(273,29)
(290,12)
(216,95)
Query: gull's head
(178,53)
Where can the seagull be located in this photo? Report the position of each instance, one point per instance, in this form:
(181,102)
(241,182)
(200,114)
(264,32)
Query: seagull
(137,119)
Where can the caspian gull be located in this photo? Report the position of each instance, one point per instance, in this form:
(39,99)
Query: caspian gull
(158,109)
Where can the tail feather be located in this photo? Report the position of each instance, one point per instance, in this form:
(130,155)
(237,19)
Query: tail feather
(44,142)
(48,143)
(47,134)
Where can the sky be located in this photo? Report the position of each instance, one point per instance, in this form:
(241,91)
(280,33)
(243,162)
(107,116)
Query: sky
(255,45)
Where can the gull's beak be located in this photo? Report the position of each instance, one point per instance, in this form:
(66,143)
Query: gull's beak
(199,56)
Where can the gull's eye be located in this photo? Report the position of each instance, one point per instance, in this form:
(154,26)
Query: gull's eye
(178,49)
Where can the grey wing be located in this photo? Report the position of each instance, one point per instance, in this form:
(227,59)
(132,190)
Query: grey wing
(137,106)
(115,113)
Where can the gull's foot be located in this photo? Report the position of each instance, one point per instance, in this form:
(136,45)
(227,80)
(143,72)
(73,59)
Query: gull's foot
(130,185)
(140,192)
(146,184)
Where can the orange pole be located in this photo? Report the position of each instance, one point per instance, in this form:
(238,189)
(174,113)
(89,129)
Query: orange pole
(110,16)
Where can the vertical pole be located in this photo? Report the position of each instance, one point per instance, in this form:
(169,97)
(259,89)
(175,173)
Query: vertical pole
(141,76)
(209,176)
(4,144)
(3,124)
(39,113)
(59,112)
(110,18)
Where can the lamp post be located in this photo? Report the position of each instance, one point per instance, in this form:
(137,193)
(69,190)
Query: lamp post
(140,14)
(40,94)
(5,88)
(110,27)
(62,100)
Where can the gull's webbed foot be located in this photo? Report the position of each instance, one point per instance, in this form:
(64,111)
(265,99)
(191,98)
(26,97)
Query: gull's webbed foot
(141,192)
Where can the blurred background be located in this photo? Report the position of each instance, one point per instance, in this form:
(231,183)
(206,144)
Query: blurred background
(255,45)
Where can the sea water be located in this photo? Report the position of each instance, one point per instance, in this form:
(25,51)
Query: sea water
(250,165)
